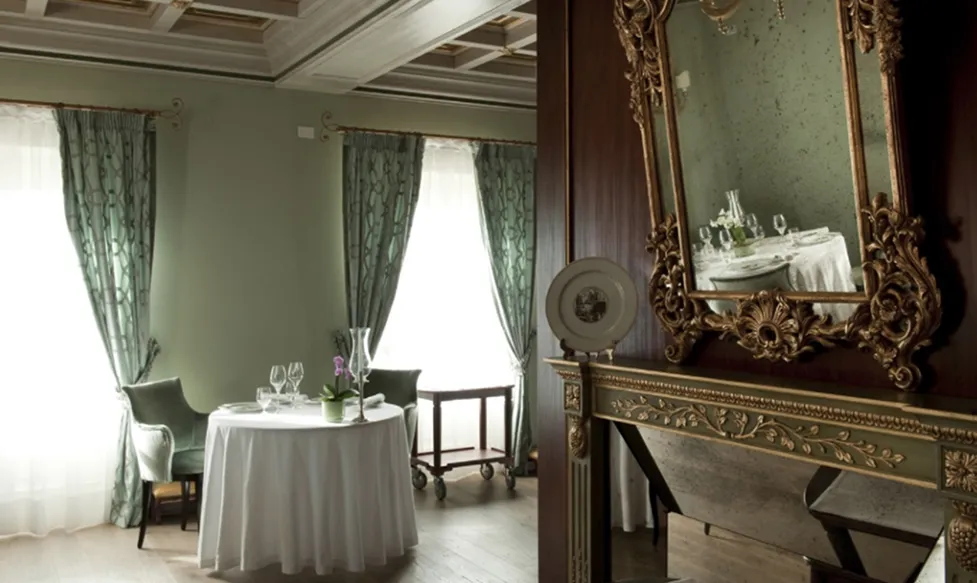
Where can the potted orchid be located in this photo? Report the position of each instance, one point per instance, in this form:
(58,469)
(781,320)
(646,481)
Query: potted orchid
(333,397)
(734,225)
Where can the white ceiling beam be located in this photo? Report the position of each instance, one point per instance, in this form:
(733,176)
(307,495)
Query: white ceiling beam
(272,9)
(501,67)
(166,16)
(35,8)
(527,10)
(515,38)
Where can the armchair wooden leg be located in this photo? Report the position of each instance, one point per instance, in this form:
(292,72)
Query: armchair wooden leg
(844,548)
(198,486)
(184,502)
(147,495)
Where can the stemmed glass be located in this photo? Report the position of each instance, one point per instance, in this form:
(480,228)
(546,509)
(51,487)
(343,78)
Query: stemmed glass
(780,223)
(705,235)
(792,235)
(295,373)
(277,378)
(264,396)
(726,239)
(752,224)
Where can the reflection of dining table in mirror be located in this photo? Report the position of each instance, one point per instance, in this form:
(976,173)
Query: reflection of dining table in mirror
(816,260)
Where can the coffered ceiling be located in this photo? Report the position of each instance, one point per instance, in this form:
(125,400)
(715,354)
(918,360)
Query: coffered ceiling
(478,52)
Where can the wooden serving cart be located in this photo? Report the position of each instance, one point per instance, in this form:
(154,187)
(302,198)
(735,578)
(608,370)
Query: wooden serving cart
(439,461)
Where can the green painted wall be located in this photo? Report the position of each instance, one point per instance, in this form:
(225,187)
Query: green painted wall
(249,262)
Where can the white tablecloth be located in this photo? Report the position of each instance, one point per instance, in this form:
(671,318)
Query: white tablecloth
(822,267)
(290,488)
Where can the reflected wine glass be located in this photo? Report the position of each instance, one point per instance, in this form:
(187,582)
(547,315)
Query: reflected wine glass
(277,378)
(751,223)
(792,235)
(295,373)
(726,240)
(264,398)
(705,235)
(759,233)
(780,223)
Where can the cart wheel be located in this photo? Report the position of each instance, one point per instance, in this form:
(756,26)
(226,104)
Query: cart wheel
(487,471)
(418,478)
(440,490)
(510,479)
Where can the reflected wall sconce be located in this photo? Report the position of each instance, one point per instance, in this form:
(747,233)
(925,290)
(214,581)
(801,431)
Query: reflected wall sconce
(721,10)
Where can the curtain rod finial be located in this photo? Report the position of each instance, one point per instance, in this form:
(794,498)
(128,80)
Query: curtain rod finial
(173,113)
(327,126)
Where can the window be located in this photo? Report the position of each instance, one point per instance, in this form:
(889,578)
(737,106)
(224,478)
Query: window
(59,417)
(443,320)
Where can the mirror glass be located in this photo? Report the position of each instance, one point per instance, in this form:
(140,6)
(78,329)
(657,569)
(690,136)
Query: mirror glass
(764,144)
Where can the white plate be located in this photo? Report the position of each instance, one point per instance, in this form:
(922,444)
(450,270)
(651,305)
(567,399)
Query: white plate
(245,407)
(753,267)
(814,239)
(592,304)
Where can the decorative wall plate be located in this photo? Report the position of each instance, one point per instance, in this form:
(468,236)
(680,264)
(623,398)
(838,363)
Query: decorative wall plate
(591,305)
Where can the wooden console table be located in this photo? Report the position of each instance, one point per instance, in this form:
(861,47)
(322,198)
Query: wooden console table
(441,460)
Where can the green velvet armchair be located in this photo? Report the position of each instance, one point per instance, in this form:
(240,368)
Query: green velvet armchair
(169,438)
(399,387)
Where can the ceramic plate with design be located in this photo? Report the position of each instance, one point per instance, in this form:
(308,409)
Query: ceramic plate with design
(592,304)
(815,239)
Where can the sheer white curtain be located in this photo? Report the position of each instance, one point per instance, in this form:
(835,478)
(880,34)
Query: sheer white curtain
(59,416)
(443,320)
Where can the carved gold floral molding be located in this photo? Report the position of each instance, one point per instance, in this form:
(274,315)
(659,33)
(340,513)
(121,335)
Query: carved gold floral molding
(576,436)
(876,23)
(960,470)
(961,536)
(742,426)
(571,397)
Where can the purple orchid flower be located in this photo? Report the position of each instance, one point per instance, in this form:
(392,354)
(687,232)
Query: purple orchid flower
(337,361)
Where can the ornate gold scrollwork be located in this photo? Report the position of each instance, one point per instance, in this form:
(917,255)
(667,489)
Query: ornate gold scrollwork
(678,313)
(635,21)
(961,535)
(576,436)
(906,309)
(960,470)
(742,426)
(875,24)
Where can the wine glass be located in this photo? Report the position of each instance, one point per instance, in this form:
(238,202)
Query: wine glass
(726,240)
(780,223)
(264,397)
(759,233)
(792,235)
(295,373)
(705,235)
(752,223)
(277,378)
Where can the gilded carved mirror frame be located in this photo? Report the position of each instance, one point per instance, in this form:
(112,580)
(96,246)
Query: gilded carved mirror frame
(901,307)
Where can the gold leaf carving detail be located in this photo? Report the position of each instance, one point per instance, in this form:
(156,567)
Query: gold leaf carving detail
(737,425)
(876,24)
(678,313)
(571,397)
(961,536)
(906,424)
(635,21)
(960,470)
(906,309)
(576,436)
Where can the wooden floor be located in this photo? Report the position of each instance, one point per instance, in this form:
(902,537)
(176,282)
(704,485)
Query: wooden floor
(481,534)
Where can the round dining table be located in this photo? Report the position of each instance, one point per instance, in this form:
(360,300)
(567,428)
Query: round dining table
(290,488)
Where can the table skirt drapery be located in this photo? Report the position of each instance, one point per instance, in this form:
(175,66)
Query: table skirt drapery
(291,489)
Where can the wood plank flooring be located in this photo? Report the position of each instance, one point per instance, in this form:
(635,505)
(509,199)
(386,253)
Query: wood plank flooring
(481,533)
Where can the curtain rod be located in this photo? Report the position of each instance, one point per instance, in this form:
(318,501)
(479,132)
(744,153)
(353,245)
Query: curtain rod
(172,114)
(328,127)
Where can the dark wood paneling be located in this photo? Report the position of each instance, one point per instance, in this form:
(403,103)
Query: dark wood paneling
(940,90)
(551,188)
(610,209)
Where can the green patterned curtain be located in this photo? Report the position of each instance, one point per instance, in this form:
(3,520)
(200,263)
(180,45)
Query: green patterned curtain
(381,184)
(108,161)
(506,177)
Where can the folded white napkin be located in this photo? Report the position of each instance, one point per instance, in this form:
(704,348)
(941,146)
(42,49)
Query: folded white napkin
(371,401)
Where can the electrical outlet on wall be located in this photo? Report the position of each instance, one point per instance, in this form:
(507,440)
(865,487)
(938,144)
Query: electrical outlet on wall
(307,132)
